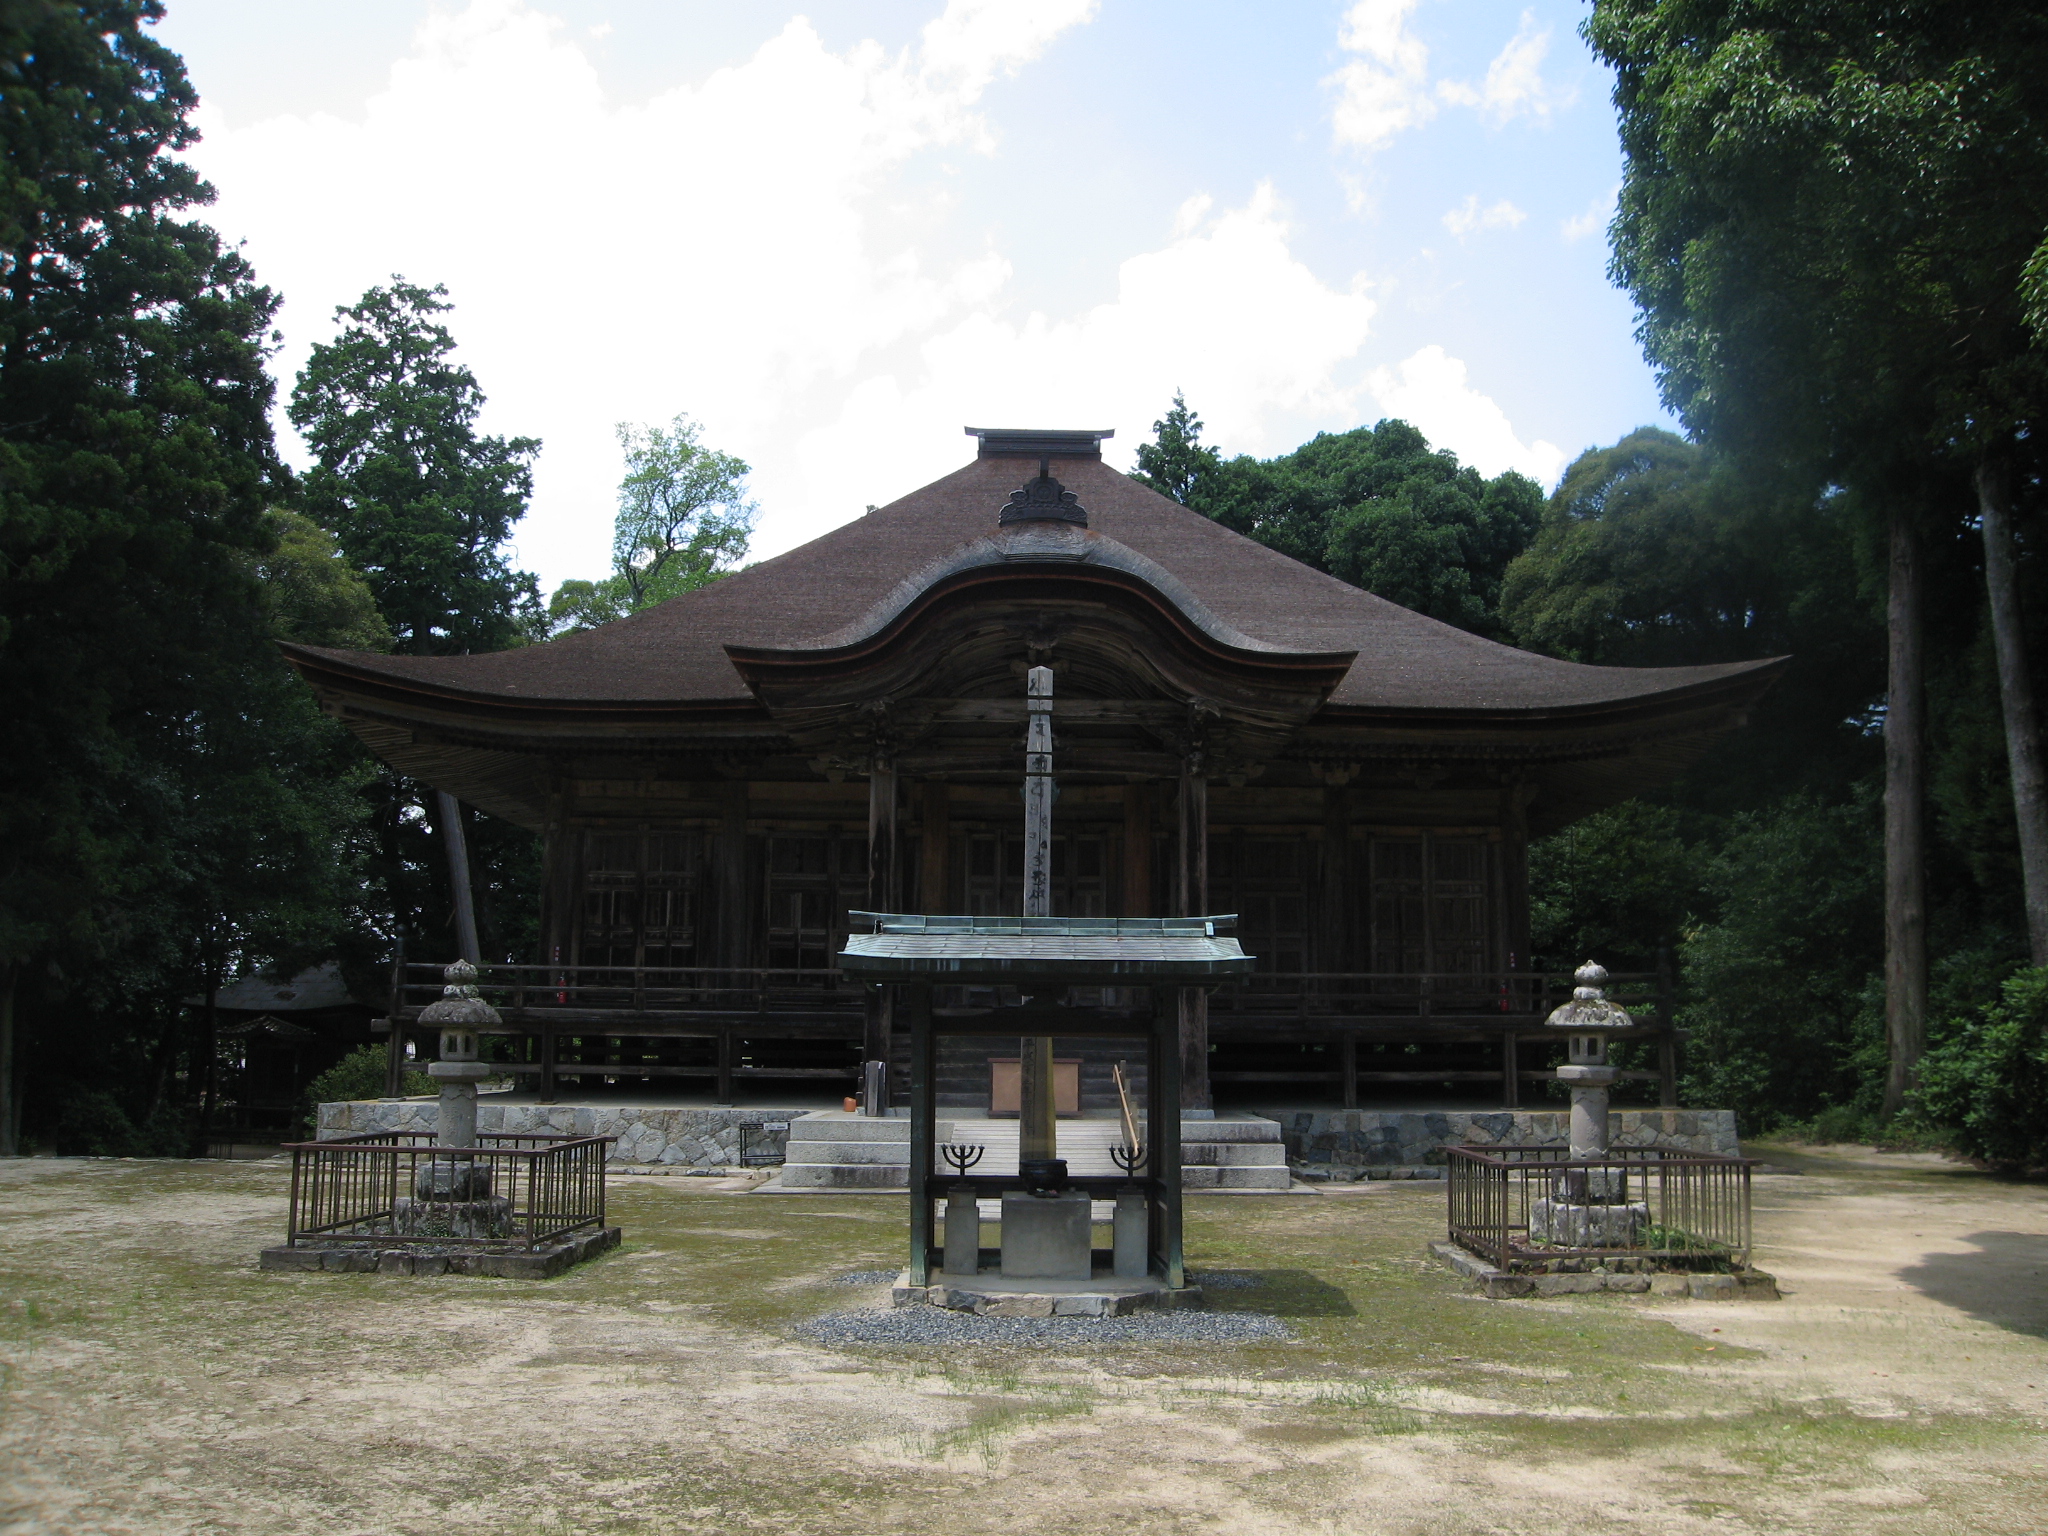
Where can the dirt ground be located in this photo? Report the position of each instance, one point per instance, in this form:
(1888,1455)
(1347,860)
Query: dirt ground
(152,1381)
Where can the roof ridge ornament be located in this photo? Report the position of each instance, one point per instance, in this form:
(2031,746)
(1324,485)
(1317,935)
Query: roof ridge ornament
(1043,500)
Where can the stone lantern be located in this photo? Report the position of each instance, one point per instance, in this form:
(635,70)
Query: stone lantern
(1589,1016)
(452,1194)
(461,1013)
(1588,1207)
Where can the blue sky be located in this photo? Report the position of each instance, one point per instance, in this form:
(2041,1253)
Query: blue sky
(835,234)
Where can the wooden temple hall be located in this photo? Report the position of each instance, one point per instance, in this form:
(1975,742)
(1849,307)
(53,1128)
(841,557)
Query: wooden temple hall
(723,779)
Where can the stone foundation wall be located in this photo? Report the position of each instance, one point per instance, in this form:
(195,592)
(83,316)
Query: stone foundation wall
(1374,1138)
(650,1136)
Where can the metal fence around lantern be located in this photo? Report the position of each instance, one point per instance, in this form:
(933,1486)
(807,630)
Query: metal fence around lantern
(1688,1209)
(507,1192)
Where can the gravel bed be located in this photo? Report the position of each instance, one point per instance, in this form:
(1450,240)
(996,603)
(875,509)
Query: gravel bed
(866,1277)
(1226,1279)
(920,1324)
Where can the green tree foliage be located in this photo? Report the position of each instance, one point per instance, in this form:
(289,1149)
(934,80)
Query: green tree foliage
(579,605)
(684,515)
(315,597)
(1825,215)
(1984,1081)
(423,504)
(684,520)
(360,1075)
(170,805)
(1376,507)
(1621,886)
(1176,463)
(1655,552)
(1778,1002)
(418,499)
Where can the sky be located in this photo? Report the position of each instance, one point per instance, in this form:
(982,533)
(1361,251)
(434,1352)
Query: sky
(836,234)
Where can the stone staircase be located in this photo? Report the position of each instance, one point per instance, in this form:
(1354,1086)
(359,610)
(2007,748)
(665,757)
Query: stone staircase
(831,1149)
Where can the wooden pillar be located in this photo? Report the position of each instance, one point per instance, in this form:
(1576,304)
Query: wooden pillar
(1510,1071)
(725,1068)
(1514,857)
(935,849)
(1191,899)
(735,928)
(883,896)
(1348,1056)
(1331,929)
(394,1059)
(561,861)
(1137,850)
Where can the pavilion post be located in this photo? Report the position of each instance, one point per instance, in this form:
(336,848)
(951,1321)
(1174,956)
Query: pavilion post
(1037,1101)
(923,1129)
(1191,893)
(1165,1148)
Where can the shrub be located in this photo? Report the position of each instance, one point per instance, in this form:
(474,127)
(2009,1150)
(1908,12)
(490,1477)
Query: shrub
(1985,1079)
(360,1075)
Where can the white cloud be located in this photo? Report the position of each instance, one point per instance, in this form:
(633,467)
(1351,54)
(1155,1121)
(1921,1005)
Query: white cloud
(1386,89)
(1596,217)
(1265,366)
(1514,85)
(756,250)
(1430,391)
(1468,216)
(742,248)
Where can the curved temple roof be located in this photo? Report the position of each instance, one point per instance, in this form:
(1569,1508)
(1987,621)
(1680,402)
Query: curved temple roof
(851,581)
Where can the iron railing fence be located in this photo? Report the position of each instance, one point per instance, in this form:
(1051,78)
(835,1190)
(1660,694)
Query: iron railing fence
(1523,1207)
(507,1192)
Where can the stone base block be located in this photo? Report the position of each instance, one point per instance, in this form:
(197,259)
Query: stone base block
(1565,1225)
(1502,1284)
(1046,1238)
(478,1220)
(368,1258)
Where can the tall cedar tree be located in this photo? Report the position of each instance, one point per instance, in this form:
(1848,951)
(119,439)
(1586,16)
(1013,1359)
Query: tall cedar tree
(419,501)
(154,819)
(1826,213)
(423,504)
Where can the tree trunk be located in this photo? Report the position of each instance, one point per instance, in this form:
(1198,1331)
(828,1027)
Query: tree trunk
(2016,696)
(209,1066)
(450,815)
(10,1129)
(1905,771)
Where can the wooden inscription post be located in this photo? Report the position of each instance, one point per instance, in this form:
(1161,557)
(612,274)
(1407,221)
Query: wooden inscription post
(1037,1107)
